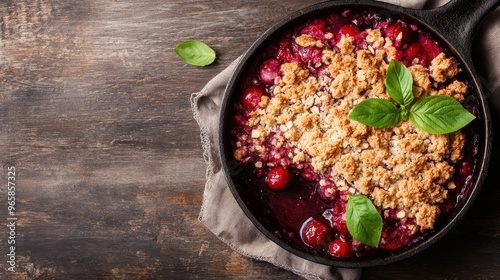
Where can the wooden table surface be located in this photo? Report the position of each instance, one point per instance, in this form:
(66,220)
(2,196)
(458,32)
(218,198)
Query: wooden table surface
(95,118)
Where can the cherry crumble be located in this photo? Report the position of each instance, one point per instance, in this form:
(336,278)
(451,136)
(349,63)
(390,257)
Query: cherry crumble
(291,132)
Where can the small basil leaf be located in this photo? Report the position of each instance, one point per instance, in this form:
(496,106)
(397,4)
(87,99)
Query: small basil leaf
(195,53)
(399,83)
(363,220)
(439,114)
(376,112)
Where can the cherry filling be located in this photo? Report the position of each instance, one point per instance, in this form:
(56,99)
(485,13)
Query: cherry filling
(278,178)
(315,233)
(270,70)
(348,30)
(340,248)
(251,98)
(399,32)
(298,204)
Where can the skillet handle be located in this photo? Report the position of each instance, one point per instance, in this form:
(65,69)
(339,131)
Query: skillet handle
(458,20)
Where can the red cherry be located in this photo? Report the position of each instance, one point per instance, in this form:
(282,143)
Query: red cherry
(270,70)
(349,30)
(431,47)
(394,30)
(251,97)
(414,51)
(278,178)
(315,28)
(286,52)
(315,233)
(340,248)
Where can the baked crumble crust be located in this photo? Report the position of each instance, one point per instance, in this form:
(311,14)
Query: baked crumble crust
(401,167)
(305,40)
(443,68)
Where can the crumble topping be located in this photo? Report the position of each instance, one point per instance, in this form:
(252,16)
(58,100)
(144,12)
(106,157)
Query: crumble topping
(308,41)
(443,68)
(400,167)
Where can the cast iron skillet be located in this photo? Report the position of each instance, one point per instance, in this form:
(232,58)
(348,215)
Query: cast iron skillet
(454,24)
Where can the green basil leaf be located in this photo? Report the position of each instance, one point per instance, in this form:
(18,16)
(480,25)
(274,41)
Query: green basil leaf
(399,83)
(439,114)
(195,53)
(363,220)
(376,112)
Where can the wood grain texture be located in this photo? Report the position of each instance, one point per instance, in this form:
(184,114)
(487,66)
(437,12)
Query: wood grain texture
(95,116)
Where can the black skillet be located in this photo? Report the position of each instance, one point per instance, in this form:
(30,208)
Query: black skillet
(455,25)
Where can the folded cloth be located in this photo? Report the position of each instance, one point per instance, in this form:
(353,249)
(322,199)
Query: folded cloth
(220,212)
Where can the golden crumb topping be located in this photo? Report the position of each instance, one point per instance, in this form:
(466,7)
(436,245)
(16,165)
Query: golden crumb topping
(401,167)
(443,68)
(308,41)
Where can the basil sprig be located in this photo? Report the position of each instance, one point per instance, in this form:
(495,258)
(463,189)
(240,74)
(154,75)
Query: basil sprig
(434,114)
(195,52)
(363,220)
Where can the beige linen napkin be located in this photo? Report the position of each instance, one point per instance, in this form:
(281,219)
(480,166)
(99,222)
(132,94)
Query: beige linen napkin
(220,212)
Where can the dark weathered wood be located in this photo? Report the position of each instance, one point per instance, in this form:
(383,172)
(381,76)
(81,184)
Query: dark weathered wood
(95,116)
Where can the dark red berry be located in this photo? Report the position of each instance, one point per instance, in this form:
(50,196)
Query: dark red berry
(431,47)
(315,233)
(349,30)
(270,70)
(316,28)
(414,51)
(340,248)
(286,52)
(398,32)
(278,178)
(252,97)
